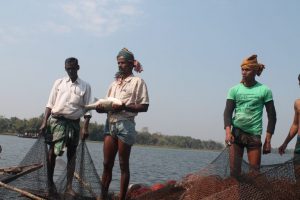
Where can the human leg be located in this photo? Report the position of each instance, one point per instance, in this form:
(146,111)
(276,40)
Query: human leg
(110,149)
(124,155)
(236,157)
(254,158)
(71,156)
(254,152)
(51,166)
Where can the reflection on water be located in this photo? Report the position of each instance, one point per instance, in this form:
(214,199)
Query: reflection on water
(147,165)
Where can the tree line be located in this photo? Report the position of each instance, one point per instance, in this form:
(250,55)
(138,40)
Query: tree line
(15,125)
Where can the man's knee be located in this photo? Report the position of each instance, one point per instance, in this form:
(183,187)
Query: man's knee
(108,165)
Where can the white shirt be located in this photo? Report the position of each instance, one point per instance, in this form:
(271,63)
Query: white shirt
(67,99)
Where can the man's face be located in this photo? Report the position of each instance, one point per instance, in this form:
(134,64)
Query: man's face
(125,66)
(248,73)
(72,69)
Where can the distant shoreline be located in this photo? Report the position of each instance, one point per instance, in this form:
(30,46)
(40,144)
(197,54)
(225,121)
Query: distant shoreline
(139,145)
(275,150)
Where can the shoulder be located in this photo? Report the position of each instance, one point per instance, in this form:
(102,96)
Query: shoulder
(263,86)
(58,81)
(83,83)
(297,103)
(236,87)
(137,80)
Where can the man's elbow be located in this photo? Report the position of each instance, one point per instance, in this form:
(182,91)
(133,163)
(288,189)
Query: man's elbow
(145,108)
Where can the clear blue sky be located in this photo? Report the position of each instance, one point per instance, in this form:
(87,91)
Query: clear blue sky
(191,52)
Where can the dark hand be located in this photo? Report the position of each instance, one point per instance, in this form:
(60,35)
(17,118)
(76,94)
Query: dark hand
(118,108)
(282,148)
(100,109)
(229,139)
(267,147)
(42,129)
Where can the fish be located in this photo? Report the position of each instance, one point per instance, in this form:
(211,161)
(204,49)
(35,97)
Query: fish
(106,103)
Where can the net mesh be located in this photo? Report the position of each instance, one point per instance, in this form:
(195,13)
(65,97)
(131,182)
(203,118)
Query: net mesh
(215,181)
(86,182)
(277,181)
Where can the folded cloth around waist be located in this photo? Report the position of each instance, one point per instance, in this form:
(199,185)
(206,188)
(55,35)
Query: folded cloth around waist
(62,132)
(61,117)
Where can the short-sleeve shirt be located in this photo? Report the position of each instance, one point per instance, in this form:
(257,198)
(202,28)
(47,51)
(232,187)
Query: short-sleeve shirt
(131,90)
(249,103)
(67,99)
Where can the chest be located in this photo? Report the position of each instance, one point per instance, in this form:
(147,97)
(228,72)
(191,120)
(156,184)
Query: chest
(69,88)
(123,90)
(249,98)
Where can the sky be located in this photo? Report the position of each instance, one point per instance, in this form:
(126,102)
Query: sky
(190,50)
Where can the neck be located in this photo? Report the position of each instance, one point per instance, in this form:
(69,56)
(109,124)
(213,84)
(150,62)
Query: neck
(249,83)
(126,75)
(73,79)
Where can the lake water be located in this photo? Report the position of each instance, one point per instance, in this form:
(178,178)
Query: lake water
(148,165)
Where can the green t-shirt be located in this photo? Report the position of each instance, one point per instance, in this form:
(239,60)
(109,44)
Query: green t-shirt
(249,103)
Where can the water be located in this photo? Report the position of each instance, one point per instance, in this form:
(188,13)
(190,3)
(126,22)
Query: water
(148,165)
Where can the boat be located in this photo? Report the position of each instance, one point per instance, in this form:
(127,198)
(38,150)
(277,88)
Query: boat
(28,135)
(8,174)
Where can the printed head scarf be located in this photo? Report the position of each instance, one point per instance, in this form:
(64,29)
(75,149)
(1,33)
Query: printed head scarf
(251,63)
(130,57)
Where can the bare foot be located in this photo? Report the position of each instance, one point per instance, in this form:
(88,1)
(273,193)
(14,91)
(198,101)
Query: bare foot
(52,189)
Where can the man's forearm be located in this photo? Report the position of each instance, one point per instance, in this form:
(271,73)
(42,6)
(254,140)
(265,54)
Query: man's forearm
(47,114)
(268,137)
(86,122)
(136,107)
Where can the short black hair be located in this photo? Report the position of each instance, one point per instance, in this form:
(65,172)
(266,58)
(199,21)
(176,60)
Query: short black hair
(299,77)
(71,61)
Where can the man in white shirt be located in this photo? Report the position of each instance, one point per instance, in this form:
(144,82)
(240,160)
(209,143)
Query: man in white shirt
(62,120)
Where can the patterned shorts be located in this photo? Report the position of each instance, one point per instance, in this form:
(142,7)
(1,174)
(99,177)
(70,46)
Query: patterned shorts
(247,140)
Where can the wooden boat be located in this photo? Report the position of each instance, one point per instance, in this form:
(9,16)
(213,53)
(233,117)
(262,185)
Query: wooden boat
(9,174)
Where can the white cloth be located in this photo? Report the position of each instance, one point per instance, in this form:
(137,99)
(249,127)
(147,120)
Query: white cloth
(68,99)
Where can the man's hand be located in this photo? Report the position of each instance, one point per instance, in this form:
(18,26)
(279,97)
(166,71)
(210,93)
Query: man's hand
(229,138)
(282,148)
(267,144)
(267,147)
(100,109)
(42,129)
(118,108)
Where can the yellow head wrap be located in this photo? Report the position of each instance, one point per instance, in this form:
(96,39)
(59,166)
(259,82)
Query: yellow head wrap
(251,63)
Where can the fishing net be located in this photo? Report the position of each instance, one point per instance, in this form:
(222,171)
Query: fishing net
(216,181)
(34,184)
(86,182)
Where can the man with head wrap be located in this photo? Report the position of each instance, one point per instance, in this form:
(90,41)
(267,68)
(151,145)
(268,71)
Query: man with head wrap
(247,100)
(120,125)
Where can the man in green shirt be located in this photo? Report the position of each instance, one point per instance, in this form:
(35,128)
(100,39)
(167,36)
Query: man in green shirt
(247,100)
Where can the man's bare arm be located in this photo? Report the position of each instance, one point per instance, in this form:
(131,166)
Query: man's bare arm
(44,123)
(293,129)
